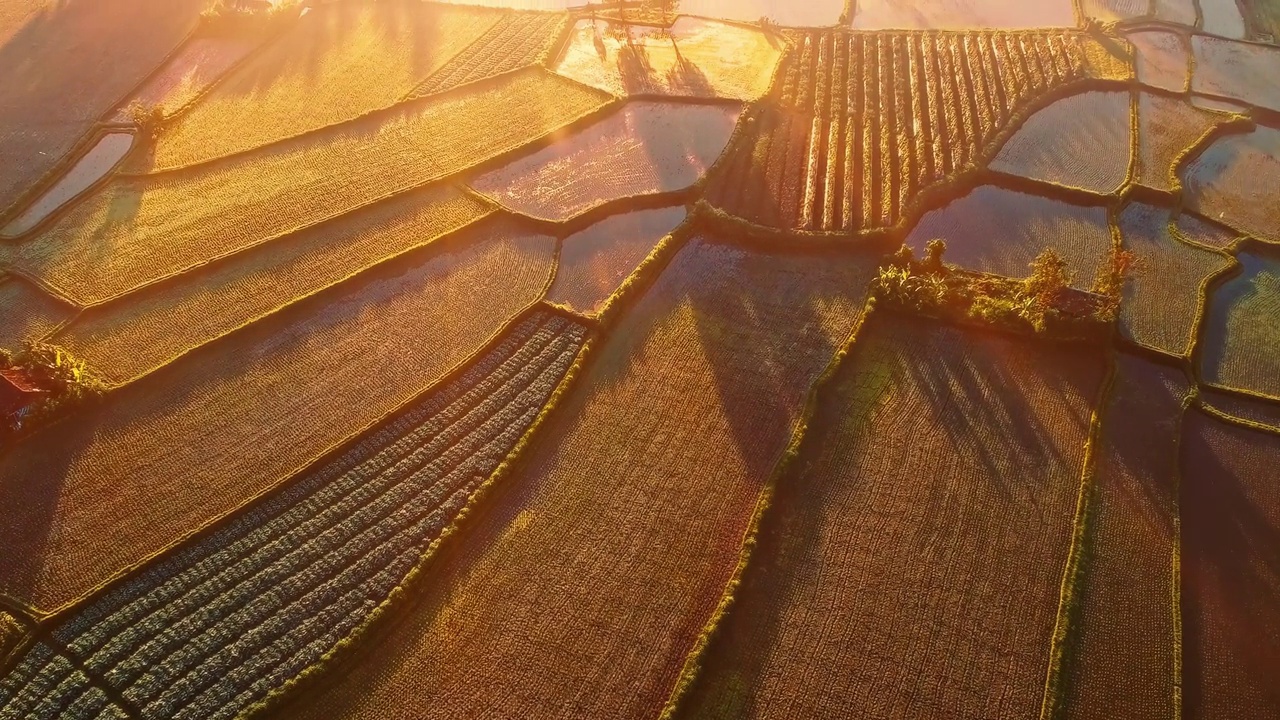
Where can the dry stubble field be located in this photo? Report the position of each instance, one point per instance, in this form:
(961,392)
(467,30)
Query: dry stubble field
(939,480)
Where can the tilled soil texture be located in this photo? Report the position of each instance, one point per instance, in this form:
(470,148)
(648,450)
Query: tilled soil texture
(580,590)
(1122,660)
(1230,570)
(216,626)
(165,456)
(860,123)
(938,481)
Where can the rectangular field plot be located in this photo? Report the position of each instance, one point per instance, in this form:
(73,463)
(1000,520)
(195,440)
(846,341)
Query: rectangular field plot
(164,456)
(215,626)
(1123,662)
(320,74)
(1241,341)
(1232,180)
(54,87)
(1237,71)
(517,40)
(911,563)
(27,312)
(580,589)
(1230,570)
(1161,302)
(137,230)
(140,332)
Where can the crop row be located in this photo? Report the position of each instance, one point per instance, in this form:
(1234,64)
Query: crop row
(217,626)
(519,39)
(863,121)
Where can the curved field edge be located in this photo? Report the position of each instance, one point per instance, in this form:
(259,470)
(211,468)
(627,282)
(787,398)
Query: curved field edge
(689,673)
(386,614)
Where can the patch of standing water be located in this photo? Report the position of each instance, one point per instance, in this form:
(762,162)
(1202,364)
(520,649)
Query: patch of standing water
(89,169)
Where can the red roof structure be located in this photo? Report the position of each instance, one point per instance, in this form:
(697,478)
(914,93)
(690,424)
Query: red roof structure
(17,389)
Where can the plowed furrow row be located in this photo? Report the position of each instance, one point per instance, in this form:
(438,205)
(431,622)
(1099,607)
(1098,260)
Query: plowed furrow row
(222,623)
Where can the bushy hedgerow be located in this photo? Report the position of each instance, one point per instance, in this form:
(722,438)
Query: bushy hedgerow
(68,384)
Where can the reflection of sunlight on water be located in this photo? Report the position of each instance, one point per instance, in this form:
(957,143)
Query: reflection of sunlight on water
(786,12)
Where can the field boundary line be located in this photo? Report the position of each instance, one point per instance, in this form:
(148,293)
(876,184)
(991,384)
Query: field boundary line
(597,213)
(504,14)
(383,262)
(400,598)
(1228,418)
(690,671)
(369,116)
(1176,570)
(1234,124)
(287,479)
(1061,655)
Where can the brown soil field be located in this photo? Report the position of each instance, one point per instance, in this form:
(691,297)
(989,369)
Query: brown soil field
(1167,128)
(1230,570)
(142,331)
(693,58)
(595,262)
(645,148)
(517,40)
(163,457)
(1124,661)
(136,230)
(51,92)
(1237,71)
(1001,231)
(938,480)
(1162,58)
(1161,301)
(582,588)
(860,123)
(319,74)
(29,312)
(215,626)
(1233,180)
(1082,141)
(1240,341)
(192,71)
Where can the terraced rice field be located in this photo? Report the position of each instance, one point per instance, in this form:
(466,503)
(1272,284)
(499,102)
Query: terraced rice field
(1001,231)
(1115,10)
(599,563)
(863,122)
(187,443)
(1181,12)
(693,58)
(1161,303)
(517,40)
(137,230)
(962,14)
(1082,141)
(319,75)
(1198,231)
(1246,407)
(1230,570)
(1241,340)
(1125,657)
(217,625)
(1162,59)
(1234,179)
(1236,71)
(1262,17)
(29,312)
(594,263)
(195,68)
(645,148)
(106,153)
(51,93)
(1167,128)
(142,331)
(933,487)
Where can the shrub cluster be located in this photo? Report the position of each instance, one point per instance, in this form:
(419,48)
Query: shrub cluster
(1043,303)
(68,383)
(233,17)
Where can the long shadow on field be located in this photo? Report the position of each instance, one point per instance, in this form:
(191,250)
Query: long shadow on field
(1231,557)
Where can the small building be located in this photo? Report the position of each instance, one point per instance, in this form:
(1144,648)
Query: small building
(17,392)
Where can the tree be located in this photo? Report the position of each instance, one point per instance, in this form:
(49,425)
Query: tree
(1049,279)
(933,251)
